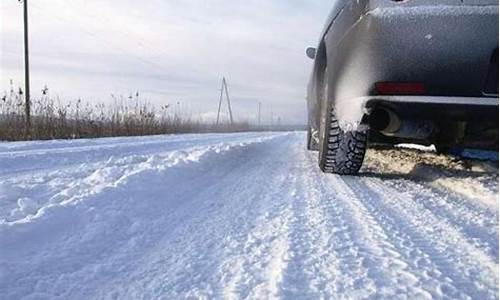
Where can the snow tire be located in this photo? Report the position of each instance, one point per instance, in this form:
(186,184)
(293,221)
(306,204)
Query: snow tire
(312,144)
(341,152)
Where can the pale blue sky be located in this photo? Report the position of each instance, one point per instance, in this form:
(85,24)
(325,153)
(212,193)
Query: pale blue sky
(169,51)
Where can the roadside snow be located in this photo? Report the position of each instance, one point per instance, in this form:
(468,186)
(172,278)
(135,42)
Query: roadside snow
(241,216)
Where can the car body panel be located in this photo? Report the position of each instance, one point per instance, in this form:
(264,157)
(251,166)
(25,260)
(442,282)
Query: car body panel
(446,45)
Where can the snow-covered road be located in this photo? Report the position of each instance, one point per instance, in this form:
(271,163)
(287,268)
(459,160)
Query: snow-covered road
(241,216)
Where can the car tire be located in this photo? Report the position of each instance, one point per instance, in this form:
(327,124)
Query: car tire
(340,152)
(312,144)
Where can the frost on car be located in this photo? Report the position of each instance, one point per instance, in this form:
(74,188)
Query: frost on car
(390,72)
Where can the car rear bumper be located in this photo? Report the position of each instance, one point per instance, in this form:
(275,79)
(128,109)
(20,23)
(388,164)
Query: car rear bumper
(438,108)
(465,121)
(469,101)
(425,107)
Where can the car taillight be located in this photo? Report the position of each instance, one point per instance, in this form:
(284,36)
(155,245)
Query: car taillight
(400,88)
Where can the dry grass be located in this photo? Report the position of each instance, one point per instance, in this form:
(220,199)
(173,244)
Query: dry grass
(127,116)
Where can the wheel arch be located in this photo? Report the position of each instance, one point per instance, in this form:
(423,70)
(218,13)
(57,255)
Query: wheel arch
(320,78)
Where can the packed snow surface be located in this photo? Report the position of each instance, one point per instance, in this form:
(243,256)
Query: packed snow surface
(241,216)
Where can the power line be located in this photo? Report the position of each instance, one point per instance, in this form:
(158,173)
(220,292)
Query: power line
(107,41)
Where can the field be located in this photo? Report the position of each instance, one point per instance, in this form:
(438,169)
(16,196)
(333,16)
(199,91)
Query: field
(53,118)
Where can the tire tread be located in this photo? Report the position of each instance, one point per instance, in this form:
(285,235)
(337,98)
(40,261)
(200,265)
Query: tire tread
(345,151)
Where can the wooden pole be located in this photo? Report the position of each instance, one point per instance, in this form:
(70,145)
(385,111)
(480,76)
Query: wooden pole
(259,112)
(224,83)
(220,102)
(26,72)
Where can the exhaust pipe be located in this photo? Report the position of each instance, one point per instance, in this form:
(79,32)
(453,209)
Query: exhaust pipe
(388,122)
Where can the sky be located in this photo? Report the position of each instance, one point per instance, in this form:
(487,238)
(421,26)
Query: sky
(170,51)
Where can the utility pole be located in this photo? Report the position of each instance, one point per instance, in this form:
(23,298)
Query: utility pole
(26,70)
(259,112)
(222,90)
(224,83)
(220,104)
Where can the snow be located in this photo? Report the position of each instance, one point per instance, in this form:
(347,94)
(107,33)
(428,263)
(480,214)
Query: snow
(417,147)
(245,215)
(433,11)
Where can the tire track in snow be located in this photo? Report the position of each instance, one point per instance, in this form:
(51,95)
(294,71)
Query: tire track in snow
(469,259)
(383,253)
(467,179)
(473,189)
(478,225)
(254,264)
(204,233)
(325,258)
(448,258)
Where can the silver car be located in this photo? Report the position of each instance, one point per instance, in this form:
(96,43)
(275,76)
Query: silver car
(412,71)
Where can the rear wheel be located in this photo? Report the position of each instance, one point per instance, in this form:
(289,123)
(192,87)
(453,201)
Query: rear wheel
(340,152)
(312,143)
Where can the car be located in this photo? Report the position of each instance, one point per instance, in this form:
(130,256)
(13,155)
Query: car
(387,72)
